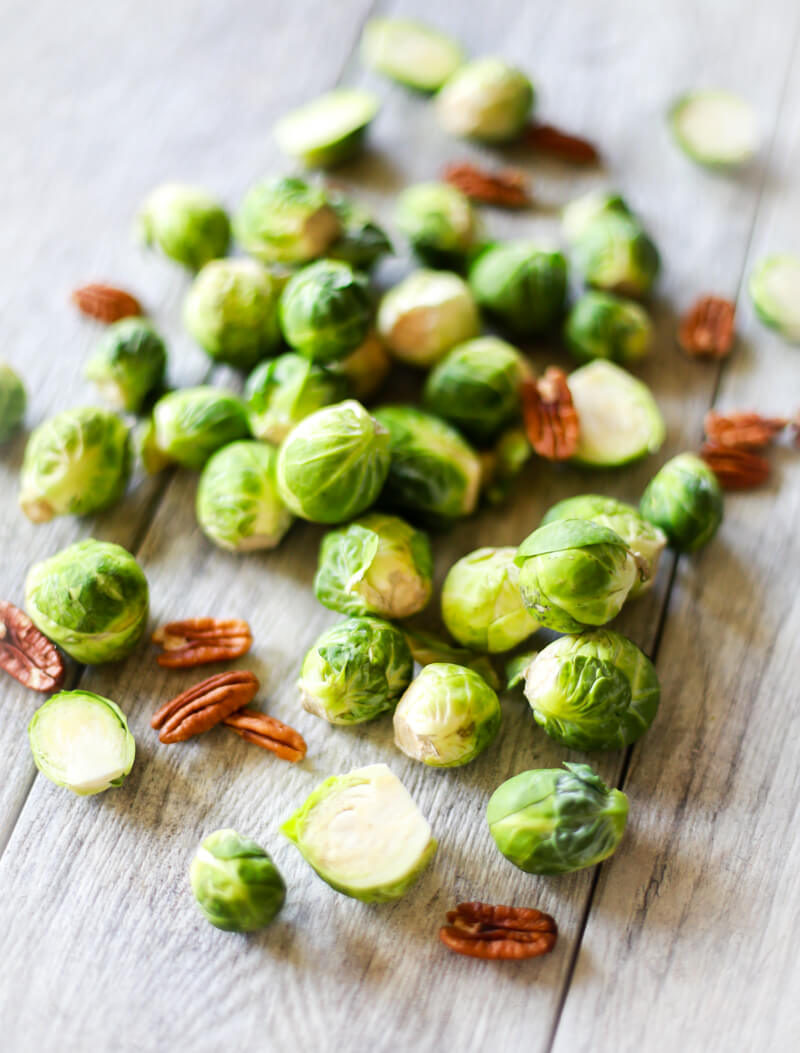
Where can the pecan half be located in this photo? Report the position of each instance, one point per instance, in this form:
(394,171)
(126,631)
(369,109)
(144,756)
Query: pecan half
(268,733)
(551,420)
(105,302)
(735,468)
(200,641)
(203,706)
(506,187)
(26,654)
(480,930)
(707,328)
(746,431)
(551,140)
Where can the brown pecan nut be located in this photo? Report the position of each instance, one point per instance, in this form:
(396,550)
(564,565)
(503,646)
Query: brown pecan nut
(105,302)
(26,654)
(551,420)
(707,328)
(548,139)
(506,187)
(203,706)
(268,733)
(481,930)
(746,431)
(200,641)
(735,468)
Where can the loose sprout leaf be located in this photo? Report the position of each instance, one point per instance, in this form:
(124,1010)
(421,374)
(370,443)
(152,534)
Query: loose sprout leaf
(409,52)
(775,291)
(715,127)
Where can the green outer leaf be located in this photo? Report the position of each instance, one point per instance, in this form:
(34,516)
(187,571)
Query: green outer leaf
(427,648)
(362,242)
(13,401)
(562,534)
(516,668)
(235,882)
(684,499)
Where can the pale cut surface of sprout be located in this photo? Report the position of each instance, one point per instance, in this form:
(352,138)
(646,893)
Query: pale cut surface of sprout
(409,52)
(715,128)
(324,124)
(775,290)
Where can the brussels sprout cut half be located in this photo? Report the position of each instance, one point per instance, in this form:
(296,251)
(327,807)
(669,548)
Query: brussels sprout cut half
(13,400)
(81,741)
(715,128)
(684,499)
(237,886)
(328,129)
(185,223)
(775,290)
(410,53)
(363,834)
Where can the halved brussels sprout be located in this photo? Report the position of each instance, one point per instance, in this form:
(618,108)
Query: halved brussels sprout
(439,223)
(684,499)
(363,834)
(128,363)
(579,215)
(329,129)
(715,128)
(237,886)
(362,242)
(364,369)
(325,310)
(91,599)
(378,564)
(429,312)
(775,291)
(428,649)
(286,221)
(409,52)
(552,821)
(521,284)
(601,325)
(485,99)
(186,223)
(282,392)
(187,426)
(13,401)
(75,463)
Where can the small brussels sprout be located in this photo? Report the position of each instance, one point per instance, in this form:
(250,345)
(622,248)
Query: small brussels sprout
(429,312)
(684,499)
(185,223)
(715,128)
(75,463)
(363,834)
(433,471)
(410,53)
(355,671)
(362,242)
(427,649)
(325,310)
(481,602)
(91,599)
(13,402)
(364,369)
(447,716)
(601,325)
(521,284)
(128,364)
(237,886)
(329,129)
(775,291)
(187,426)
(575,573)
(485,99)
(552,821)
(333,465)
(81,741)
(282,392)
(286,221)
(596,691)
(579,215)
(439,222)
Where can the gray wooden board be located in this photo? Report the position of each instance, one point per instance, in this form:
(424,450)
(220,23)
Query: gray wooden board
(101,941)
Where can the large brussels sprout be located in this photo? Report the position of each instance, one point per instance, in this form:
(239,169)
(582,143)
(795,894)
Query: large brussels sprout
(237,886)
(355,671)
(286,221)
(13,401)
(364,369)
(333,465)
(601,325)
(362,242)
(76,463)
(575,573)
(363,834)
(439,222)
(596,691)
(128,363)
(325,310)
(187,426)
(521,284)
(429,312)
(447,716)
(481,602)
(554,821)
(378,564)
(91,599)
(282,392)
(684,499)
(485,99)
(186,223)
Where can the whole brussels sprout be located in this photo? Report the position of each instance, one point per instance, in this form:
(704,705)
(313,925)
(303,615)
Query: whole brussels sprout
(364,369)
(13,401)
(579,215)
(237,504)
(128,363)
(429,312)
(237,886)
(601,325)
(575,573)
(439,223)
(76,463)
(610,246)
(232,312)
(551,821)
(282,392)
(596,691)
(325,310)
(521,284)
(355,671)
(481,602)
(378,564)
(447,716)
(186,223)
(187,426)
(333,465)
(362,242)
(684,499)
(286,221)
(485,99)
(91,599)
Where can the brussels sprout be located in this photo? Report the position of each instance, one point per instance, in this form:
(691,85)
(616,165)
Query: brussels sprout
(329,129)
(333,465)
(13,401)
(91,599)
(579,215)
(76,463)
(439,223)
(186,223)
(364,369)
(282,392)
(575,573)
(596,691)
(187,426)
(601,325)
(684,499)
(775,291)
(447,716)
(286,221)
(363,834)
(521,284)
(476,387)
(237,886)
(485,99)
(503,464)
(516,668)
(378,564)
(715,128)
(481,603)
(433,471)
(128,364)
(551,821)
(429,312)
(355,671)
(362,242)
(325,310)
(427,649)
(81,741)
(409,52)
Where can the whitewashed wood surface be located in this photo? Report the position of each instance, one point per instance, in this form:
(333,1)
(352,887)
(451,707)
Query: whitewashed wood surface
(685,938)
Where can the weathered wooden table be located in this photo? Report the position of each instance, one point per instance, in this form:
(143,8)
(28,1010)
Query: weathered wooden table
(687,938)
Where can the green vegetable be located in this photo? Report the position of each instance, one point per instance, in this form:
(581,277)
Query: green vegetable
(187,426)
(684,499)
(429,312)
(325,310)
(439,222)
(503,464)
(715,128)
(426,649)
(329,129)
(362,242)
(521,284)
(365,369)
(185,223)
(601,325)
(409,52)
(13,401)
(128,363)
(286,221)
(237,886)
(775,291)
(282,392)
(516,668)
(486,99)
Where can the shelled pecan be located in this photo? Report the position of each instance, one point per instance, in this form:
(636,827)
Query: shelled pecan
(743,430)
(105,302)
(481,930)
(201,707)
(200,641)
(551,140)
(506,187)
(706,330)
(26,654)
(735,468)
(268,733)
(551,420)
